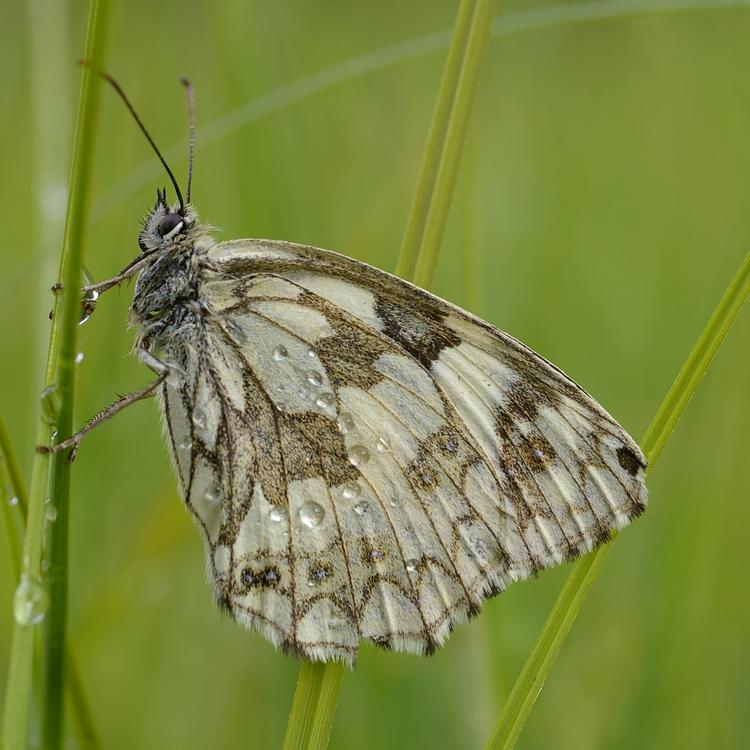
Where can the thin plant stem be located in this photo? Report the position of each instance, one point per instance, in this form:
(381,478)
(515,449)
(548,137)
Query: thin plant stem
(318,685)
(539,663)
(16,525)
(14,470)
(426,183)
(51,478)
(54,628)
(450,151)
(314,706)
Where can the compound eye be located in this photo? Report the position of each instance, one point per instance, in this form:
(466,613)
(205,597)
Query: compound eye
(168,223)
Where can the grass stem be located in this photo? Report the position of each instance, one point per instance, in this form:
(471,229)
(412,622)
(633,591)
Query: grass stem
(318,685)
(16,527)
(539,663)
(314,706)
(50,478)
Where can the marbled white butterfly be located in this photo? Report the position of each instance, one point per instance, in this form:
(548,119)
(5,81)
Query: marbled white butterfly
(364,460)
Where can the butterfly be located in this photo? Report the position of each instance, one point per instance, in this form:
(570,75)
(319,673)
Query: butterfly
(364,460)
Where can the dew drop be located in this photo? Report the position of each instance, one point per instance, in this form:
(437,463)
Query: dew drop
(393,502)
(50,403)
(79,358)
(277,515)
(314,377)
(199,417)
(50,511)
(345,423)
(185,445)
(311,514)
(326,401)
(280,353)
(30,602)
(350,490)
(412,565)
(281,407)
(12,500)
(384,445)
(358,455)
(312,353)
(213,494)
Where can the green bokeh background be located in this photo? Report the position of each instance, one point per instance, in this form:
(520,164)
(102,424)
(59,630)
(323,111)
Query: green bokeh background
(601,211)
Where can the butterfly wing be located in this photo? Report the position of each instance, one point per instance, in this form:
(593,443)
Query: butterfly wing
(369,461)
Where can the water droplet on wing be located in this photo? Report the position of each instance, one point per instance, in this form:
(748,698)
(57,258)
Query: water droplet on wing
(277,515)
(311,514)
(314,377)
(345,423)
(199,417)
(358,455)
(213,494)
(280,353)
(350,490)
(326,401)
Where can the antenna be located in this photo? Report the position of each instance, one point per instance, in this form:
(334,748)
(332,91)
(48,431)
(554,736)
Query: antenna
(121,93)
(191,120)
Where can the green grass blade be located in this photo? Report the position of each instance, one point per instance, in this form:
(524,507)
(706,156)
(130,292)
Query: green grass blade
(427,182)
(54,627)
(697,363)
(441,189)
(13,512)
(314,706)
(14,470)
(570,600)
(86,732)
(318,685)
(52,478)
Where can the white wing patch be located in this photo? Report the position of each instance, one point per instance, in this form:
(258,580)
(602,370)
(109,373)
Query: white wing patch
(368,461)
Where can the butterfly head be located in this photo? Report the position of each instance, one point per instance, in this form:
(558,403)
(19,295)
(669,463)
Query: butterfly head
(166,226)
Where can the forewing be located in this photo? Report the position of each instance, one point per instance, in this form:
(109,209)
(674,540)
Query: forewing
(383,460)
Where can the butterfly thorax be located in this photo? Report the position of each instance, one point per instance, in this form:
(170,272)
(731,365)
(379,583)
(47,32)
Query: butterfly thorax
(167,288)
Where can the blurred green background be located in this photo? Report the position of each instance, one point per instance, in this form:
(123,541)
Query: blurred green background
(601,212)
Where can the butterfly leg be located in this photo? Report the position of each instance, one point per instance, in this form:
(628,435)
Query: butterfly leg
(91,292)
(124,401)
